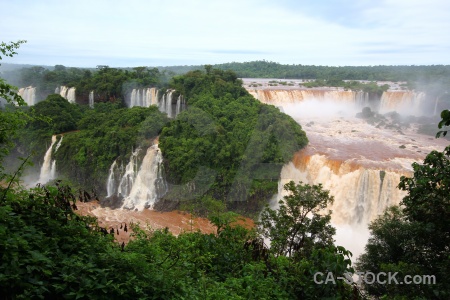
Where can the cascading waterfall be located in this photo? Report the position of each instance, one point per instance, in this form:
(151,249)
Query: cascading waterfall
(360,193)
(402,101)
(143,97)
(127,179)
(139,186)
(48,169)
(91,99)
(362,99)
(359,163)
(295,96)
(110,184)
(29,95)
(165,105)
(168,102)
(149,183)
(408,102)
(71,95)
(181,105)
(149,96)
(67,93)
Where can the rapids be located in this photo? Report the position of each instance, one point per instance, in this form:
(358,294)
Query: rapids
(359,163)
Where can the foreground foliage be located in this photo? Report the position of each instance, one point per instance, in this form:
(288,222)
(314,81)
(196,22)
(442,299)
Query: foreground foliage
(414,239)
(49,252)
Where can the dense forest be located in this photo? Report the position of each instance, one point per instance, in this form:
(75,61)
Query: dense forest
(230,137)
(231,144)
(266,69)
(106,80)
(226,144)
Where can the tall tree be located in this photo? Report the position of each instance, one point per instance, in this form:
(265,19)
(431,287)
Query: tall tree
(299,225)
(415,238)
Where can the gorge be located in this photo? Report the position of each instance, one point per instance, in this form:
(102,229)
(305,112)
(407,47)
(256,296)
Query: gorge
(359,159)
(360,163)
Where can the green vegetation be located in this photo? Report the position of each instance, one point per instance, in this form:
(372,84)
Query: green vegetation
(93,138)
(299,225)
(109,84)
(265,69)
(49,252)
(234,146)
(11,118)
(227,142)
(371,87)
(414,239)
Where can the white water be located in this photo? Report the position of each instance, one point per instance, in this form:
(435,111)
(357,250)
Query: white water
(145,190)
(181,105)
(358,163)
(67,93)
(29,95)
(149,96)
(110,184)
(360,195)
(48,168)
(168,108)
(406,102)
(91,99)
(143,97)
(127,180)
(141,184)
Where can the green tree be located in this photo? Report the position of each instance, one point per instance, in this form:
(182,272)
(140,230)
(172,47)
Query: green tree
(414,239)
(11,117)
(299,225)
(445,115)
(301,241)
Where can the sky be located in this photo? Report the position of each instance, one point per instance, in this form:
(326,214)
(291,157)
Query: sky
(130,33)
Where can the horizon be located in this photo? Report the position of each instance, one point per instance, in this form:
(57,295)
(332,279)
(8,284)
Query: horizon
(84,34)
(201,65)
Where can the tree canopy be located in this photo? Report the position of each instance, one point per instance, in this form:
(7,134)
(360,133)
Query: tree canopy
(242,142)
(414,239)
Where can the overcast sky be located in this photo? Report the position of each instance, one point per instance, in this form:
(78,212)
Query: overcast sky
(129,33)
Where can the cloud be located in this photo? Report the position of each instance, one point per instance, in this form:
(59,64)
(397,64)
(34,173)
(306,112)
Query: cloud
(335,32)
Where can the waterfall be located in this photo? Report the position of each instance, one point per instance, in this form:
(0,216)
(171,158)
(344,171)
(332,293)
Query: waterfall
(91,99)
(403,102)
(59,143)
(29,95)
(162,104)
(277,97)
(143,97)
(67,93)
(166,106)
(110,184)
(127,180)
(48,169)
(362,99)
(360,193)
(181,105)
(63,91)
(147,186)
(71,95)
(139,186)
(358,162)
(168,109)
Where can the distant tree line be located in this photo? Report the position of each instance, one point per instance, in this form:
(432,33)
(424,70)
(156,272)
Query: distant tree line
(109,84)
